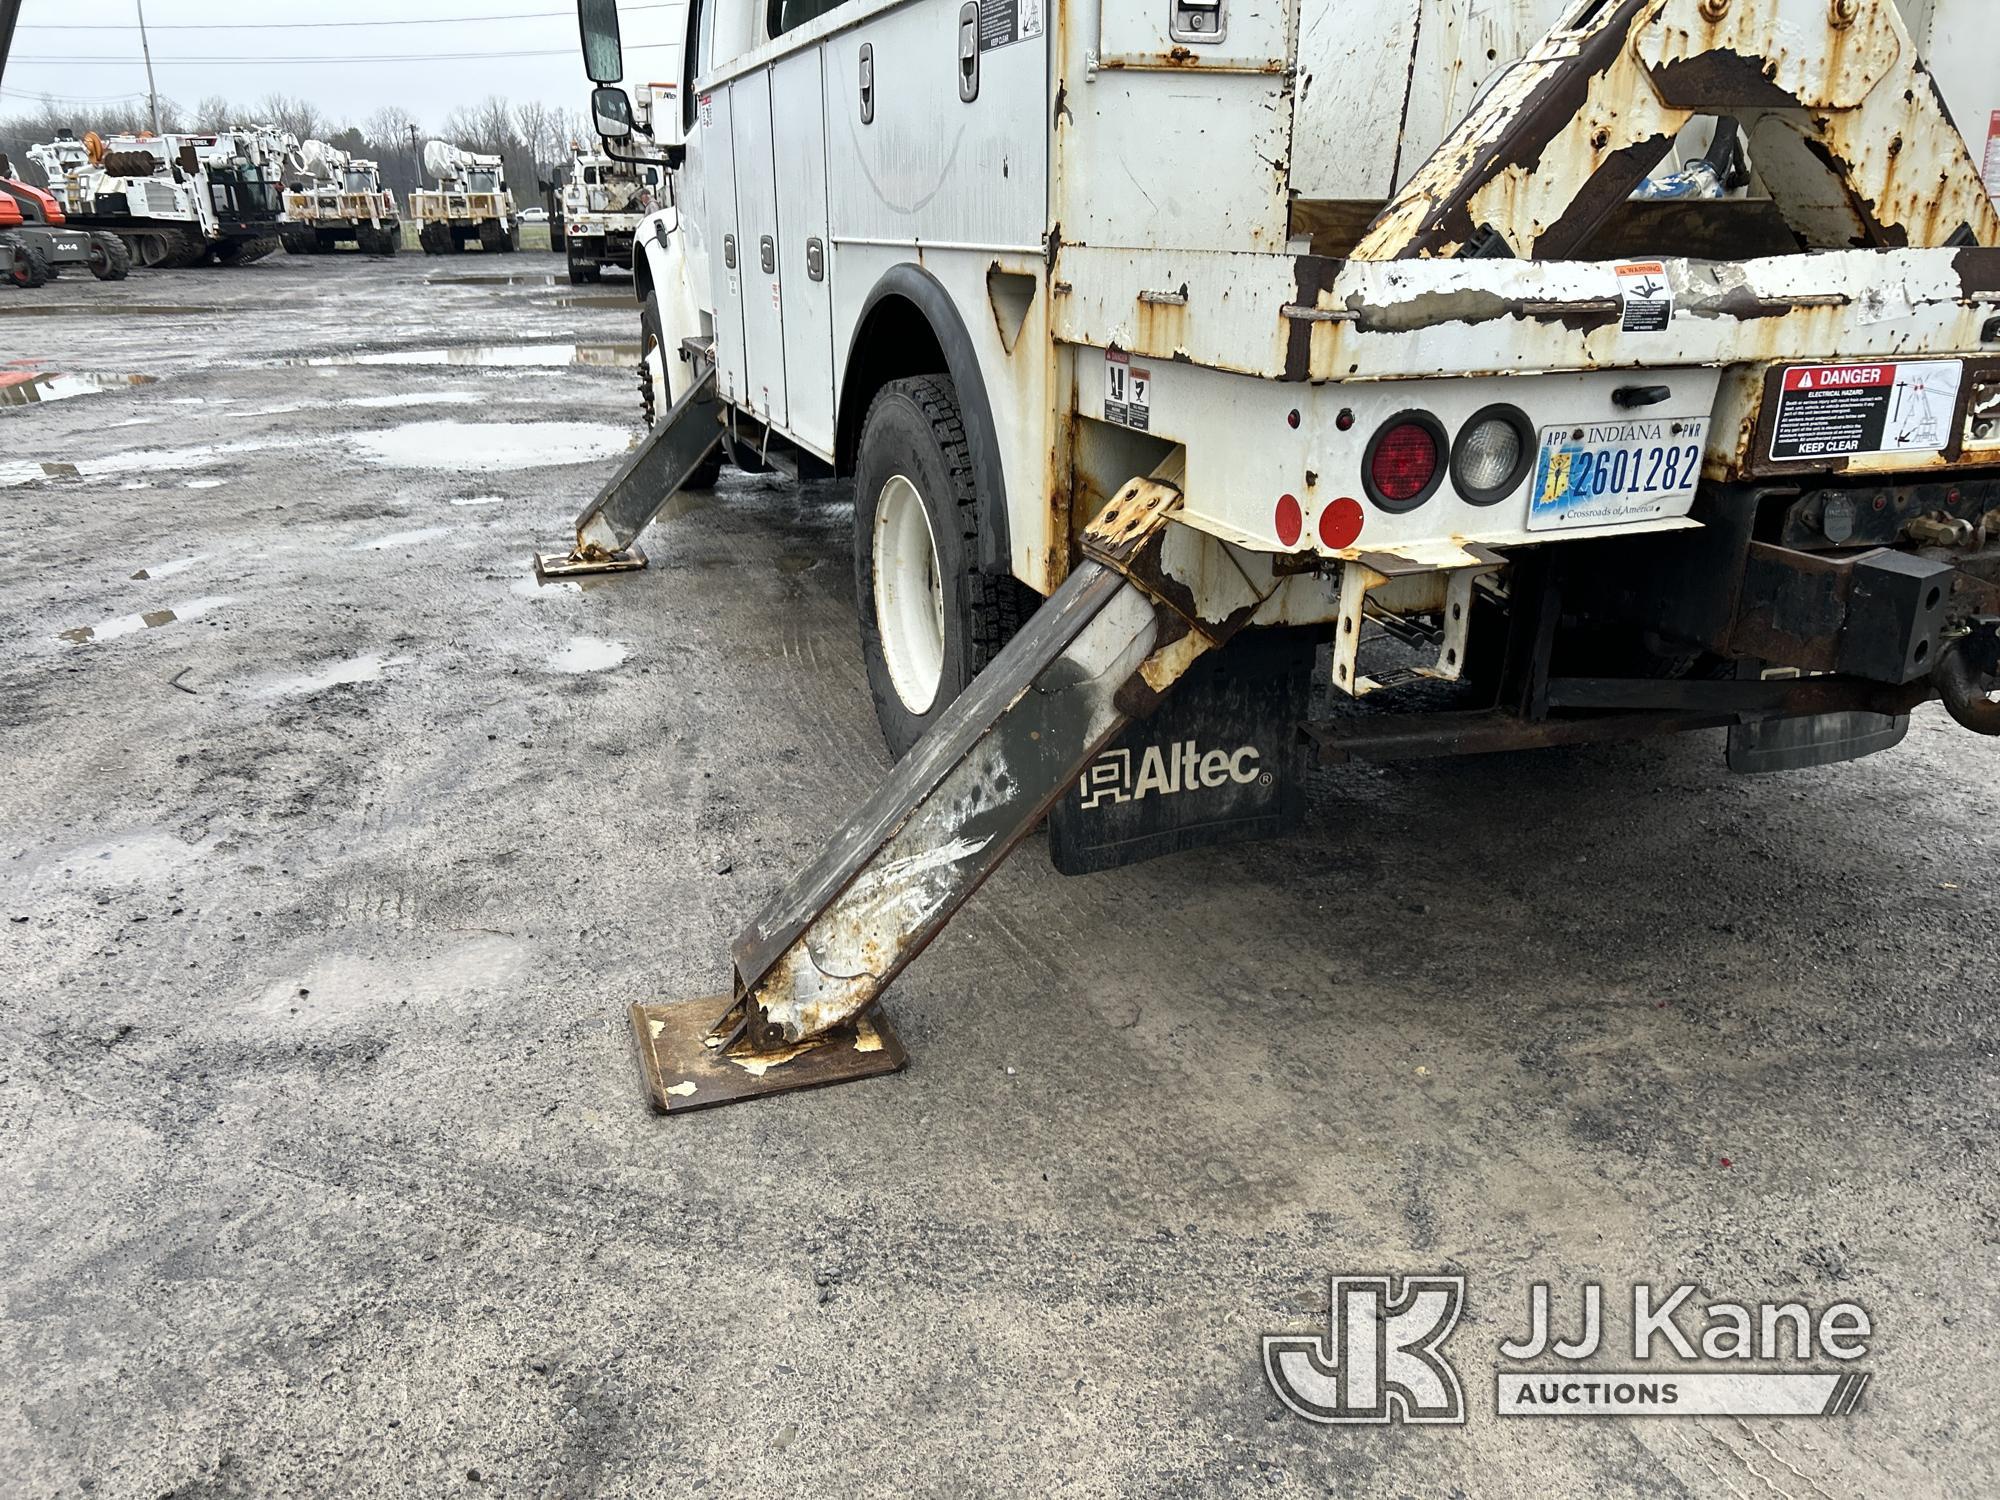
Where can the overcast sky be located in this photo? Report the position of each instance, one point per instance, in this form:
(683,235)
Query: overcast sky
(87,51)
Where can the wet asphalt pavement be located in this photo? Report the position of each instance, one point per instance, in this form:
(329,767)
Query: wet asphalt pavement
(332,850)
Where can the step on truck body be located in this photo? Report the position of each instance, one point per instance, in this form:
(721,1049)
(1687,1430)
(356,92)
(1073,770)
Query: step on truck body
(1606,369)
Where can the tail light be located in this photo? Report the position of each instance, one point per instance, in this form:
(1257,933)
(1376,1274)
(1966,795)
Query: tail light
(1405,461)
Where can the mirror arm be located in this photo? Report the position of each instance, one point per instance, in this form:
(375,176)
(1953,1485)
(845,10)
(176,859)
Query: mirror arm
(669,156)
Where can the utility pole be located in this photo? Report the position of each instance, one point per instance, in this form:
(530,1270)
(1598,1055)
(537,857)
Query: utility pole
(416,158)
(152,94)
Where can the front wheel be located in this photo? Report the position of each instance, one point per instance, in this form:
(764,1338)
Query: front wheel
(109,259)
(656,393)
(27,264)
(931,621)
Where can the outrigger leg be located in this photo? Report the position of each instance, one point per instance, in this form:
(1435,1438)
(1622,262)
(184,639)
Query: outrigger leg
(608,529)
(809,970)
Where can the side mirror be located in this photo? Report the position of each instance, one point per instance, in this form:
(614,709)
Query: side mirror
(611,111)
(603,54)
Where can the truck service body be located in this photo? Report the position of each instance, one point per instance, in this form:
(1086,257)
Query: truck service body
(1611,367)
(602,205)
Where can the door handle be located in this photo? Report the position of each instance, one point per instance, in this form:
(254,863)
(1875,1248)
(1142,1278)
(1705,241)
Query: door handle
(767,255)
(729,251)
(968,51)
(815,259)
(867,83)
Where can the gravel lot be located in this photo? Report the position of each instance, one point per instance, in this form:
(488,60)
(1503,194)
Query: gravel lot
(332,850)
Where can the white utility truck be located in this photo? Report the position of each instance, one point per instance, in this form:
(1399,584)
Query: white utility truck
(470,204)
(602,204)
(1534,373)
(175,200)
(339,199)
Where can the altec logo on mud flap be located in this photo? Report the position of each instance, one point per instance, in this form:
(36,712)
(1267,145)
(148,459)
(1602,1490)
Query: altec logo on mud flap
(1182,767)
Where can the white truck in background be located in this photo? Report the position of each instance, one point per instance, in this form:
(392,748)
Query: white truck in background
(339,199)
(175,200)
(602,204)
(1537,371)
(470,205)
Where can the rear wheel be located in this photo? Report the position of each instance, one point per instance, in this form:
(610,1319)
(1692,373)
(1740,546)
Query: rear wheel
(655,393)
(27,264)
(109,259)
(930,620)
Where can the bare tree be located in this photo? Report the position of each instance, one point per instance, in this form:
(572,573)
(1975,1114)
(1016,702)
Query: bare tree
(299,116)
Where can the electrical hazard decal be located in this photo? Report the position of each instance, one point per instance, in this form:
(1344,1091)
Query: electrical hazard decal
(1839,411)
(1128,391)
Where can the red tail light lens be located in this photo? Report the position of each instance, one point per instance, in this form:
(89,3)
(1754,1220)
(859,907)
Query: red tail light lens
(1405,461)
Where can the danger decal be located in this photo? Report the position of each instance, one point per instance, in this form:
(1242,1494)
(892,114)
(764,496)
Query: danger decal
(1840,411)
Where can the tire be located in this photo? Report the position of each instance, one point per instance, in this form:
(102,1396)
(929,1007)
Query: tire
(935,621)
(390,238)
(109,259)
(243,252)
(653,398)
(514,237)
(492,236)
(576,277)
(27,265)
(293,244)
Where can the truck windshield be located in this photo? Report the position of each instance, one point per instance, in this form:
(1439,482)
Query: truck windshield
(484,182)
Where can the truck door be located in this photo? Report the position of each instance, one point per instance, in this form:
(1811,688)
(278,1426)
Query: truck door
(757,247)
(725,256)
(805,262)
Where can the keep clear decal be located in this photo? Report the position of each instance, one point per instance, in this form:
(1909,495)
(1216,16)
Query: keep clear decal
(1836,411)
(1003,22)
(1648,297)
(1128,391)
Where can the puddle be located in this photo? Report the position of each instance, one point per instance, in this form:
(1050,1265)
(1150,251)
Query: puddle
(204,484)
(403,538)
(152,619)
(492,356)
(149,858)
(478,499)
(621,304)
(481,446)
(797,562)
(139,461)
(420,398)
(26,388)
(586,653)
(368,668)
(532,587)
(168,569)
(497,278)
(89,310)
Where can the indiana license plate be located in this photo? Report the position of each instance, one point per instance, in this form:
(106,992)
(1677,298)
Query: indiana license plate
(1602,473)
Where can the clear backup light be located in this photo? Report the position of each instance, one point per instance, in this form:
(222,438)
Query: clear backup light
(1492,454)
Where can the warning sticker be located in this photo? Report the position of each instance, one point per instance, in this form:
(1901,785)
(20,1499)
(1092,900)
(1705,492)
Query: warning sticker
(1002,22)
(1128,391)
(1991,166)
(1839,410)
(1648,297)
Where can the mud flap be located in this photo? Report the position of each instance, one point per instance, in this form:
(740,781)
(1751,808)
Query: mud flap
(1222,761)
(1818,740)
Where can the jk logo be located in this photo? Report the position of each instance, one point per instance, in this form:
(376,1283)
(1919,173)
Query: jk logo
(1380,1361)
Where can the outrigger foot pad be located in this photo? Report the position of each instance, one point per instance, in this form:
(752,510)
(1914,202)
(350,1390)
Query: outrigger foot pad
(687,1064)
(571,564)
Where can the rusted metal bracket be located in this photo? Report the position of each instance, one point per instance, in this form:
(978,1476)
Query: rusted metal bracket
(1103,650)
(1847,129)
(608,527)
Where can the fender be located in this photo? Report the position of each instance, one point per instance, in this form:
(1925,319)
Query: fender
(660,265)
(913,284)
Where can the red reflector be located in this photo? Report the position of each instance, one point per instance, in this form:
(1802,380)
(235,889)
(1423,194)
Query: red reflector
(1340,523)
(1290,521)
(1405,462)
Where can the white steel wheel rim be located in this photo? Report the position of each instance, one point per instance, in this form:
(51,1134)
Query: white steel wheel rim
(909,595)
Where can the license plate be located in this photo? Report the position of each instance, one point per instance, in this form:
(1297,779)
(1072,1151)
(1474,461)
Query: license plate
(1603,473)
